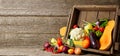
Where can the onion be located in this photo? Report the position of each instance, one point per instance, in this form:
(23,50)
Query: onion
(65,49)
(46,45)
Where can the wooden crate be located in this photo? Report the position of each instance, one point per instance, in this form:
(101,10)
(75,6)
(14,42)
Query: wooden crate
(91,13)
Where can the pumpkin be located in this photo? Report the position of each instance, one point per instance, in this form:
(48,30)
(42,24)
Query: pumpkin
(63,31)
(106,38)
(77,43)
(83,43)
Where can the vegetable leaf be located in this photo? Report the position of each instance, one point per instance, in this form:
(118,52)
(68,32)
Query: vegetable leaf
(103,22)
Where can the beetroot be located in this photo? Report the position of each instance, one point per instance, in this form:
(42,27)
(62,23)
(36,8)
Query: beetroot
(65,49)
(47,45)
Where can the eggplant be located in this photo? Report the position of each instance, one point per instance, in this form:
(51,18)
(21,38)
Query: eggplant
(93,40)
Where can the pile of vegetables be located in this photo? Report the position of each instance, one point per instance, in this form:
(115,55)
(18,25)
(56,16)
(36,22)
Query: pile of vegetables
(98,34)
(95,35)
(59,46)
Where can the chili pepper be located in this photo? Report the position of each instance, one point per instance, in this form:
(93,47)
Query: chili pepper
(59,41)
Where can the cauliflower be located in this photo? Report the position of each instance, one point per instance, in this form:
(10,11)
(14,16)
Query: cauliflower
(77,34)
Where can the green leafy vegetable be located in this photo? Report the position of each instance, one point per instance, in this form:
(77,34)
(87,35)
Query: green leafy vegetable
(103,22)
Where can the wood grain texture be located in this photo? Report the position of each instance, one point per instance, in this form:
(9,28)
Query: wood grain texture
(29,31)
(82,16)
(119,12)
(103,14)
(32,24)
(44,7)
(112,15)
(92,16)
(30,7)
(13,39)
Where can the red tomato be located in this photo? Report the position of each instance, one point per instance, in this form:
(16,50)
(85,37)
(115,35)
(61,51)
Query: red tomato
(96,28)
(101,29)
(75,26)
(59,41)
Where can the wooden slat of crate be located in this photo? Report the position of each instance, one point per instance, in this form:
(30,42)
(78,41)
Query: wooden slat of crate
(117,44)
(114,35)
(82,16)
(96,7)
(72,20)
(103,14)
(91,16)
(112,15)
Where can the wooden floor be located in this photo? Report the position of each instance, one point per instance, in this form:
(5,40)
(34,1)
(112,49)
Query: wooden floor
(31,51)
(26,24)
(36,51)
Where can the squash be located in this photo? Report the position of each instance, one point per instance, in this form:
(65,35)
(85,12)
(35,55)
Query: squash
(63,31)
(83,43)
(106,38)
(77,43)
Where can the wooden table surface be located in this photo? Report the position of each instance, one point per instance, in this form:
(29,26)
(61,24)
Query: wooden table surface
(35,51)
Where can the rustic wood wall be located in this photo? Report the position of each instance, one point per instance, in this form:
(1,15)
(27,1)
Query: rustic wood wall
(31,22)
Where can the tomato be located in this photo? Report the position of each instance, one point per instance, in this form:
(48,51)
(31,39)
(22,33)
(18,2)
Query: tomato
(77,51)
(101,29)
(96,28)
(75,26)
(70,51)
(59,41)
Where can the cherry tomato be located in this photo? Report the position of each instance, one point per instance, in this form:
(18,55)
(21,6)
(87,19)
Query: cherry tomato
(75,26)
(101,29)
(96,28)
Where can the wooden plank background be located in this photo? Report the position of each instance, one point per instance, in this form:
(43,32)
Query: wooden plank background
(32,22)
